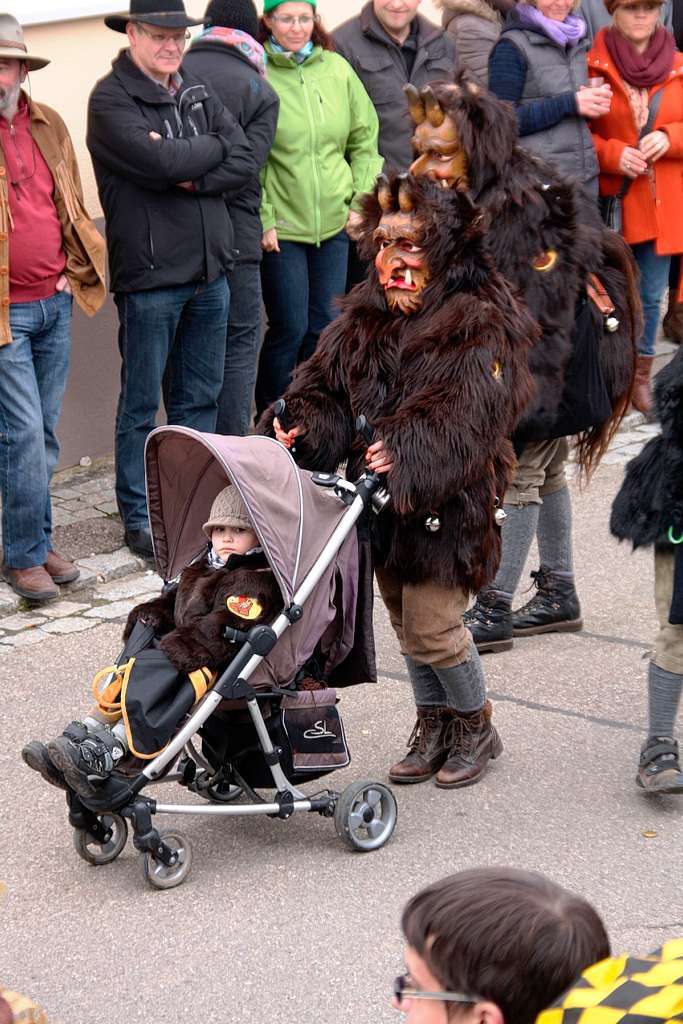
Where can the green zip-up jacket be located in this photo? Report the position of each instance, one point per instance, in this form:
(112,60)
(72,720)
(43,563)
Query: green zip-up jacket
(324,157)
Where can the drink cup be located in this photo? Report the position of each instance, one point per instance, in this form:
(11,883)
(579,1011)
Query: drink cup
(595,83)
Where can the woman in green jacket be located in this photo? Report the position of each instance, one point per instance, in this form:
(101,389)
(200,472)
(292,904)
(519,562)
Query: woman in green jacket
(323,160)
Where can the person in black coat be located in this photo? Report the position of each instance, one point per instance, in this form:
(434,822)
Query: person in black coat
(229,60)
(164,150)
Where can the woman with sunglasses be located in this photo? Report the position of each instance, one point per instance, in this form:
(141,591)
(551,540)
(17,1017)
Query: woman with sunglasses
(323,160)
(493,946)
(639,143)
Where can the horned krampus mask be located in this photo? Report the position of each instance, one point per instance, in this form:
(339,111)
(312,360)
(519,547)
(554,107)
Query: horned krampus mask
(463,134)
(414,231)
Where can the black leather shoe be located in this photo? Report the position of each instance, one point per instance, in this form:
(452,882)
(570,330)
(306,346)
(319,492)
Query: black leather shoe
(554,608)
(489,621)
(140,543)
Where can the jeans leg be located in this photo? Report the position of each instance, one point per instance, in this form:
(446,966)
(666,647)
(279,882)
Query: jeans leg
(654,276)
(147,326)
(241,352)
(195,367)
(327,271)
(284,278)
(33,371)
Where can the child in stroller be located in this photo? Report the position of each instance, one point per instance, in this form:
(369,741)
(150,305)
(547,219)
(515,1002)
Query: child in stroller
(230,586)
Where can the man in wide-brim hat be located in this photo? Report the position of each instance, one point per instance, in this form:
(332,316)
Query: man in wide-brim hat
(50,253)
(164,151)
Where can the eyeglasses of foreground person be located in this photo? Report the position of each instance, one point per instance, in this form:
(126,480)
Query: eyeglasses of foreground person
(404,989)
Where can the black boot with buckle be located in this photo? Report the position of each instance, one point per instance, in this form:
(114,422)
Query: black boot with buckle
(426,747)
(554,608)
(489,620)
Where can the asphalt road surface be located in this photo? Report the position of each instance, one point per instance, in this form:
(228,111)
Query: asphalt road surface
(278,921)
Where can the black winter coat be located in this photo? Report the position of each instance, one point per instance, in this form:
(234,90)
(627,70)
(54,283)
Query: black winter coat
(158,234)
(650,499)
(232,77)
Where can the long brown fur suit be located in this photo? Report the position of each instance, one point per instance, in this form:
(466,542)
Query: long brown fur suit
(442,388)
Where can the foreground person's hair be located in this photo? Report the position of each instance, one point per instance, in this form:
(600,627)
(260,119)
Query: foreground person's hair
(512,937)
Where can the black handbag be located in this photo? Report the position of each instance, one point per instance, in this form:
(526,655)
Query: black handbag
(612,207)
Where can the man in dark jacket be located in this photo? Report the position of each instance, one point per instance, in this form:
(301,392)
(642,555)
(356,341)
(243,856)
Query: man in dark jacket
(230,61)
(164,151)
(388,45)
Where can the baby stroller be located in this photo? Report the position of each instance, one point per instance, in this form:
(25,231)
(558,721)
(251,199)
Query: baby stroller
(253,728)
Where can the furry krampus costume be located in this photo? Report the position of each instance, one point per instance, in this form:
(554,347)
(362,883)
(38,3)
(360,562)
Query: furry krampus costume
(648,511)
(442,385)
(432,349)
(543,242)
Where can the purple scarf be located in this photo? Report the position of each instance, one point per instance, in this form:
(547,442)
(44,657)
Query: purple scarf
(642,70)
(242,41)
(565,33)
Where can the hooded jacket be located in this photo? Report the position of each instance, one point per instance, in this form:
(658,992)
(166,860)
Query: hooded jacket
(234,79)
(158,234)
(83,244)
(474,26)
(324,157)
(377,60)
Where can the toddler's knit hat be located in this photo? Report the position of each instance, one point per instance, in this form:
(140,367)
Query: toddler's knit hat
(228,509)
(239,14)
(270,5)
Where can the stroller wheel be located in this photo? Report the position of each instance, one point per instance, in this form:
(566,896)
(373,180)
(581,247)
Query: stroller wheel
(168,876)
(365,815)
(96,852)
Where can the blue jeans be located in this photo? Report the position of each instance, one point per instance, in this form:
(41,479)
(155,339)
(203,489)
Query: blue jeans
(300,284)
(175,337)
(241,352)
(654,278)
(33,372)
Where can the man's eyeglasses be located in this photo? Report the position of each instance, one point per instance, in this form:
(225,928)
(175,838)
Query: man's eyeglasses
(178,39)
(402,990)
(289,20)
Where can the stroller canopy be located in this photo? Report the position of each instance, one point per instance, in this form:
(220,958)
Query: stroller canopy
(292,517)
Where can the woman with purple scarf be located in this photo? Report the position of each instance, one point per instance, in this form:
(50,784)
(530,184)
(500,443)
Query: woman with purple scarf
(539,65)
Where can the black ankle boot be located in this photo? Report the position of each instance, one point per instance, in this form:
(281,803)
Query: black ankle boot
(489,621)
(554,608)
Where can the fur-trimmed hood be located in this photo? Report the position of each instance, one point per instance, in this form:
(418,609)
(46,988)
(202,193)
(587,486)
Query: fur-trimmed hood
(479,8)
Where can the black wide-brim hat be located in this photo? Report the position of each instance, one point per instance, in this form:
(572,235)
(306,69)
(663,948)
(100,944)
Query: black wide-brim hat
(164,13)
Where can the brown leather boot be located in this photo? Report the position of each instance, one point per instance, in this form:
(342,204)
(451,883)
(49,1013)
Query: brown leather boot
(673,321)
(427,750)
(472,741)
(641,399)
(34,584)
(60,569)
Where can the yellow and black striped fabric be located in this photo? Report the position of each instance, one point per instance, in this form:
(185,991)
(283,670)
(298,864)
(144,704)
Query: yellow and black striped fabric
(625,990)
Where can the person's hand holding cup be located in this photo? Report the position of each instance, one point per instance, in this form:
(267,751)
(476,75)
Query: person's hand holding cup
(595,98)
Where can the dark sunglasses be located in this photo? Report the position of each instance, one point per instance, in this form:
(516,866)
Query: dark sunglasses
(403,991)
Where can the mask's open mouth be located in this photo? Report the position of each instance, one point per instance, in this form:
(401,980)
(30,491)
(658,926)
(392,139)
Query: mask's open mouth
(401,278)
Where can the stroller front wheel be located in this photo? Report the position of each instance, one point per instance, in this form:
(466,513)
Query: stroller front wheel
(168,876)
(96,850)
(365,815)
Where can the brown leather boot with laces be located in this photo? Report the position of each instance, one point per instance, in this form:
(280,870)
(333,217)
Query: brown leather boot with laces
(427,750)
(472,742)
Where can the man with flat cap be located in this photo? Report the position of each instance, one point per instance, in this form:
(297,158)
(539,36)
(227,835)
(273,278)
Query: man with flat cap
(50,254)
(164,151)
